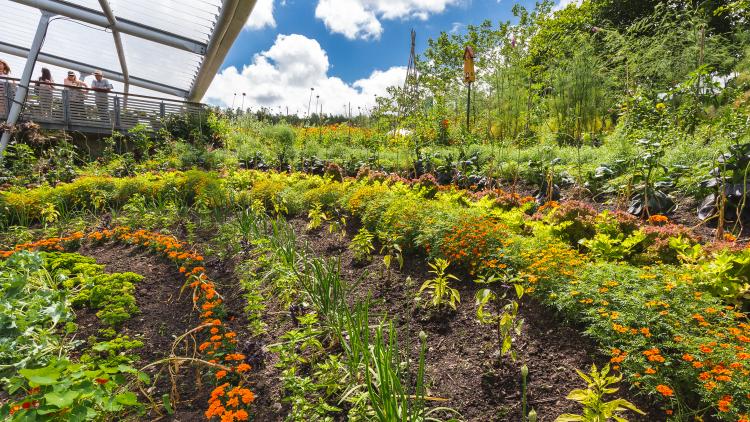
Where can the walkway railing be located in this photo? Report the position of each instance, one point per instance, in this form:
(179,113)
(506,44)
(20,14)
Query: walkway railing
(56,106)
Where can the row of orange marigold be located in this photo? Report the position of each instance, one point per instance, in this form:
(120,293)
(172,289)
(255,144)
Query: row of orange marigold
(230,400)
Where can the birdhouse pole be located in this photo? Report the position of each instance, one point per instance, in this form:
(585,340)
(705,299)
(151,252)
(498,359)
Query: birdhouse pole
(469,78)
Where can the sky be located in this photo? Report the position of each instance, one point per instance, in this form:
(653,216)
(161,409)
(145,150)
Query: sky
(349,51)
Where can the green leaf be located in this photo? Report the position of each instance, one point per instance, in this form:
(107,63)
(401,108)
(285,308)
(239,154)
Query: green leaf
(41,376)
(61,400)
(507,343)
(128,398)
(167,404)
(567,417)
(623,404)
(144,378)
(578,395)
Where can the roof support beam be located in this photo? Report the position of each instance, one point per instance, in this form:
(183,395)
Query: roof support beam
(118,42)
(234,14)
(23,87)
(94,17)
(15,50)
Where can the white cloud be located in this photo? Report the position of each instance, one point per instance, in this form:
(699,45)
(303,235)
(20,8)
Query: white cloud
(361,18)
(283,75)
(261,16)
(565,3)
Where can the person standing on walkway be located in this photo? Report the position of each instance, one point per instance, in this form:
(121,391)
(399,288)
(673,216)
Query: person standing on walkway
(4,73)
(76,95)
(43,90)
(102,87)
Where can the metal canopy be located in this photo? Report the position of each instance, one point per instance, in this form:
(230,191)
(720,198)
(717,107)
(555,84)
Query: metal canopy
(170,46)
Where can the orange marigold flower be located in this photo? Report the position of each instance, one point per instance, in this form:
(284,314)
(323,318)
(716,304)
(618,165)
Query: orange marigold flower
(658,219)
(665,390)
(243,367)
(233,402)
(687,357)
(725,403)
(221,374)
(247,396)
(705,349)
(241,415)
(650,371)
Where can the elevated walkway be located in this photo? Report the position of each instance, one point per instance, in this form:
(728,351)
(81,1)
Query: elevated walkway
(57,107)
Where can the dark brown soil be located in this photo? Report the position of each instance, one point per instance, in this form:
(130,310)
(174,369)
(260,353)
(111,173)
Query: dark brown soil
(164,315)
(463,365)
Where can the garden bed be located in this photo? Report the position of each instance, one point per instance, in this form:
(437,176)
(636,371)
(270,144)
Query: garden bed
(164,315)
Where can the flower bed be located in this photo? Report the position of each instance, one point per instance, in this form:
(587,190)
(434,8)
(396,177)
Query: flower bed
(231,399)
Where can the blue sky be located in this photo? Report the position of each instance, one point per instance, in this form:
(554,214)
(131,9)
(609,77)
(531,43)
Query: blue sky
(349,51)
(356,59)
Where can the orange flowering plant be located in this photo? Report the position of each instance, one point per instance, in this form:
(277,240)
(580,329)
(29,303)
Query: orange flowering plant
(479,242)
(220,347)
(664,334)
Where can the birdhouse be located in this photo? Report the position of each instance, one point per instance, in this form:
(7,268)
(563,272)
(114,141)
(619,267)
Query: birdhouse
(469,74)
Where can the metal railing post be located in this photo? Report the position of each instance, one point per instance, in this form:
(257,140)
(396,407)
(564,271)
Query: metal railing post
(66,107)
(8,96)
(19,97)
(162,110)
(117,112)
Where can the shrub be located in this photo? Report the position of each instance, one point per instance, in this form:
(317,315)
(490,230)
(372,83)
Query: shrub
(573,221)
(334,172)
(656,245)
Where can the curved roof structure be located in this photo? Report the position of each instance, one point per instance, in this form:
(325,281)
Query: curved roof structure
(173,47)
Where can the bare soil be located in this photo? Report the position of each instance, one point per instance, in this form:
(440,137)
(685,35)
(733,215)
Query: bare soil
(463,363)
(164,315)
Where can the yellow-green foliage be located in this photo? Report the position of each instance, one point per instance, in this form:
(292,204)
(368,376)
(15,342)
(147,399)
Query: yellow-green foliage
(328,194)
(97,193)
(365,193)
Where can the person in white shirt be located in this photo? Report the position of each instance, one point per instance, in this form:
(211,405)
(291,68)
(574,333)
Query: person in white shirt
(4,73)
(102,87)
(76,95)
